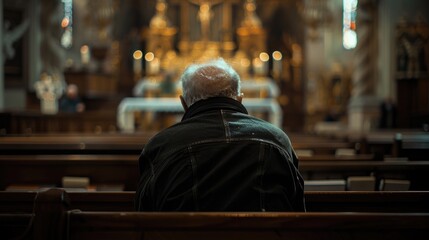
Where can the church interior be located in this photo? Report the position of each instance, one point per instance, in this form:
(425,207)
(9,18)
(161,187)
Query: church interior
(85,84)
(313,59)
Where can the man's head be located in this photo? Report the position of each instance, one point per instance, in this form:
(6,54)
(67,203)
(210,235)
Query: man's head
(211,79)
(72,91)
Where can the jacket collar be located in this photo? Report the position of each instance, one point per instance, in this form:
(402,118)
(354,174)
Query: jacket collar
(214,103)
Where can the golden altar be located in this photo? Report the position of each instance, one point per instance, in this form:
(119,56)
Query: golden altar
(205,33)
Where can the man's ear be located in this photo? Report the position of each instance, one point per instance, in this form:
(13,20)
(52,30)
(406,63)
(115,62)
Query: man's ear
(184,105)
(240,98)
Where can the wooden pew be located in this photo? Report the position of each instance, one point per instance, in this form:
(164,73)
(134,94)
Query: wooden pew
(132,225)
(346,201)
(413,145)
(415,171)
(330,157)
(119,143)
(74,144)
(33,121)
(104,169)
(16,225)
(367,201)
(52,220)
(50,169)
(23,202)
(322,147)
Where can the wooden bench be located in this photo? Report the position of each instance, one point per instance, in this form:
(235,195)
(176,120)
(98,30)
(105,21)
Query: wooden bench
(104,169)
(23,202)
(16,225)
(330,157)
(367,201)
(50,169)
(52,219)
(361,201)
(415,171)
(74,144)
(119,143)
(33,121)
(413,145)
(114,225)
(231,225)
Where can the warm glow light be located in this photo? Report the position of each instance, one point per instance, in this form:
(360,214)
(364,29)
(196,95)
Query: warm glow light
(137,54)
(349,39)
(149,56)
(277,55)
(257,62)
(84,49)
(85,55)
(65,22)
(205,7)
(264,56)
(245,62)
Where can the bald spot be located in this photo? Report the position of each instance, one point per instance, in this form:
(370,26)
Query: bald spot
(211,80)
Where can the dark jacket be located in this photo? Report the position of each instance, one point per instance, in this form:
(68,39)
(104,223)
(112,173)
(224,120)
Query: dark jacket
(218,158)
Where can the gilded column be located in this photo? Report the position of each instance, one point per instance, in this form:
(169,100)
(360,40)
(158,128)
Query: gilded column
(184,27)
(228,44)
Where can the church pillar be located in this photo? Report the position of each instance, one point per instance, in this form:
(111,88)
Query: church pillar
(34,61)
(386,86)
(1,57)
(363,111)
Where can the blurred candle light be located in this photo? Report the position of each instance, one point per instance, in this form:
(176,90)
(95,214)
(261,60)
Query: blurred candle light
(137,64)
(264,57)
(257,67)
(277,64)
(155,66)
(149,57)
(244,66)
(296,54)
(85,55)
(65,22)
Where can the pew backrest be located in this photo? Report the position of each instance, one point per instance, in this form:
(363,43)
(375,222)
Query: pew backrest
(52,219)
(335,201)
(243,225)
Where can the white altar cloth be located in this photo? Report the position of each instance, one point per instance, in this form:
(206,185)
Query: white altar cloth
(128,106)
(266,84)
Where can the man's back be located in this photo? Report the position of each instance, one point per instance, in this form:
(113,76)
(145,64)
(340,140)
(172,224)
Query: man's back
(219,159)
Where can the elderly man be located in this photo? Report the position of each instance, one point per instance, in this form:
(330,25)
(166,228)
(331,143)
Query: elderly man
(218,158)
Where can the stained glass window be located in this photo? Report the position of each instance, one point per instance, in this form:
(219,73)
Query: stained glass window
(67,24)
(349,23)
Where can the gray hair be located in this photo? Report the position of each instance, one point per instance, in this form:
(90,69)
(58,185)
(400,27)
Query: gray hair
(215,78)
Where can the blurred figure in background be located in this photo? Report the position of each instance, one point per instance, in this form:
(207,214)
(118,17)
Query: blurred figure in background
(388,114)
(71,101)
